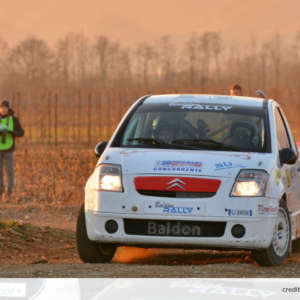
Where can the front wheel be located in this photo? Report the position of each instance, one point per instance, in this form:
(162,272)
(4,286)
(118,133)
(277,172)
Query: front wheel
(276,253)
(90,251)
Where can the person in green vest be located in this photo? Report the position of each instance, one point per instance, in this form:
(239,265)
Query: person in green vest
(10,128)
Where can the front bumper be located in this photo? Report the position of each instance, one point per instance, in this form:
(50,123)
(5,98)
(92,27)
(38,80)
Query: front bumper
(258,235)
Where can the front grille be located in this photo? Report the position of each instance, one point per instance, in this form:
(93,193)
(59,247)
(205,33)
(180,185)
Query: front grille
(174,228)
(175,194)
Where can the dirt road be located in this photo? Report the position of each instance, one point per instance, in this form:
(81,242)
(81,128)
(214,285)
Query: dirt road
(28,250)
(165,264)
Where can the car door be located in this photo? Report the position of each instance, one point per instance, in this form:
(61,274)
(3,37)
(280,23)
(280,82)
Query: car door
(289,173)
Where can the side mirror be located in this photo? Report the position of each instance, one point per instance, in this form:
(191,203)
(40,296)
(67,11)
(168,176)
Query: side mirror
(99,149)
(287,156)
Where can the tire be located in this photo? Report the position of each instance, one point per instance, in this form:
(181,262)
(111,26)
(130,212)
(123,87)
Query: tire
(279,249)
(90,251)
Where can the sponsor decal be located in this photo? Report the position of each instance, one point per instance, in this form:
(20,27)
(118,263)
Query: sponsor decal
(162,204)
(173,229)
(177,210)
(172,209)
(267,210)
(239,212)
(277,177)
(125,152)
(128,152)
(288,178)
(270,209)
(204,107)
(178,166)
(227,165)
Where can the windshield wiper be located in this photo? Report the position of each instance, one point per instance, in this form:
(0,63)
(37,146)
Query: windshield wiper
(206,143)
(156,143)
(143,140)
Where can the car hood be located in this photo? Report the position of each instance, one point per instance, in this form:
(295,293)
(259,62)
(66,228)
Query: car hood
(185,162)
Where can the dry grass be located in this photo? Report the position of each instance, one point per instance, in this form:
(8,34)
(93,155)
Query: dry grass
(46,175)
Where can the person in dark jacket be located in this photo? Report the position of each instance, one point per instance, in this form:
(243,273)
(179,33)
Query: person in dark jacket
(10,128)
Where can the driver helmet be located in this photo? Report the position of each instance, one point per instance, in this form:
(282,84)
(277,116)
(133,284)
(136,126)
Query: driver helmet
(166,130)
(243,131)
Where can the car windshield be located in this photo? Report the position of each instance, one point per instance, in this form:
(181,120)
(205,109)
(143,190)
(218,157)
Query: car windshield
(196,126)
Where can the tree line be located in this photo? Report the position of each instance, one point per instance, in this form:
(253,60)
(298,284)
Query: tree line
(76,90)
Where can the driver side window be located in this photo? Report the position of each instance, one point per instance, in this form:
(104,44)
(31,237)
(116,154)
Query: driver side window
(282,135)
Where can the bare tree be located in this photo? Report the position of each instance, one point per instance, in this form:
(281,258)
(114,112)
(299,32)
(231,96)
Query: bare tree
(102,48)
(124,68)
(31,61)
(96,81)
(191,51)
(73,58)
(274,49)
(4,52)
(217,47)
(166,58)
(144,55)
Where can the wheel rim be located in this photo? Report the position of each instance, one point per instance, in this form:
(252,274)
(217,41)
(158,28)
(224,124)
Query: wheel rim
(281,235)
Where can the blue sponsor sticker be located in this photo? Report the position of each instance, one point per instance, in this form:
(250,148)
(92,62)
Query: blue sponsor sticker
(227,165)
(177,210)
(240,212)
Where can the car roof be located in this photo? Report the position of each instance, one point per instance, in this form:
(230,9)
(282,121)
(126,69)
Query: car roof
(200,98)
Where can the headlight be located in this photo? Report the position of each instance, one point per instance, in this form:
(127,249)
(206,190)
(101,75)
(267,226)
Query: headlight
(110,178)
(250,183)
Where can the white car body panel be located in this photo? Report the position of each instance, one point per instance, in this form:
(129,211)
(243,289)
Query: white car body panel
(260,212)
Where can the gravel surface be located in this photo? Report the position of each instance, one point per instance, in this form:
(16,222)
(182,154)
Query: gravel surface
(137,262)
(32,250)
(129,270)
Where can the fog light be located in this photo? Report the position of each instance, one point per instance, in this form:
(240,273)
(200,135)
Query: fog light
(111,226)
(238,231)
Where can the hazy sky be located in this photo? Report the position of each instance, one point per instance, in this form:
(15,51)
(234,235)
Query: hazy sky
(132,21)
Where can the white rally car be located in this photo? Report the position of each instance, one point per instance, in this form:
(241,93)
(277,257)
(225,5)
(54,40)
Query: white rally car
(195,171)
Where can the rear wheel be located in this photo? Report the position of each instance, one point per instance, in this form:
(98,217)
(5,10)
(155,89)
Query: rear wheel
(90,251)
(276,253)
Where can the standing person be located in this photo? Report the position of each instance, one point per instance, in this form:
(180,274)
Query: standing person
(235,90)
(10,128)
